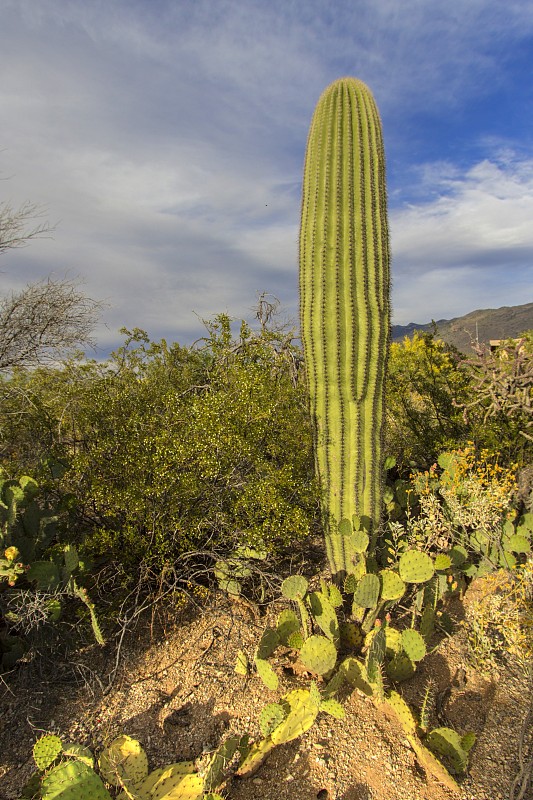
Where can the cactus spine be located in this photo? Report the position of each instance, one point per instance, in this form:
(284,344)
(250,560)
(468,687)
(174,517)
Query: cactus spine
(344,306)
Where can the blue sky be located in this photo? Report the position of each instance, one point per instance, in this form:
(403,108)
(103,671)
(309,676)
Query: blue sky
(166,138)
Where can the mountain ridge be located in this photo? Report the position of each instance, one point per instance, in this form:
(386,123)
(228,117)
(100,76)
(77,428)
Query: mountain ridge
(483,324)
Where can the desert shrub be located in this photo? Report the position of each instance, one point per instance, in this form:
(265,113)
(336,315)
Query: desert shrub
(424,384)
(499,619)
(466,493)
(169,449)
(499,405)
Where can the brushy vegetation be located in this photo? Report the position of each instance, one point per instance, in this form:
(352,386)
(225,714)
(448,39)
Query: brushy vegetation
(168,470)
(163,452)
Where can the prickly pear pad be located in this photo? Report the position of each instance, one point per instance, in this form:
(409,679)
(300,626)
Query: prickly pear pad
(413,644)
(392,586)
(325,616)
(294,587)
(448,743)
(46,750)
(271,717)
(302,713)
(287,624)
(266,673)
(416,567)
(402,711)
(318,654)
(73,780)
(124,762)
(177,786)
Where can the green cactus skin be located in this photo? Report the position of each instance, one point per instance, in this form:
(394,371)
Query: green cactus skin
(288,623)
(255,757)
(124,762)
(266,673)
(161,781)
(271,717)
(392,586)
(432,765)
(302,713)
(325,616)
(268,643)
(375,655)
(401,668)
(416,567)
(354,672)
(351,635)
(333,708)
(179,787)
(413,645)
(393,641)
(215,774)
(427,623)
(344,307)
(46,750)
(448,743)
(296,640)
(318,655)
(73,780)
(294,587)
(402,712)
(367,592)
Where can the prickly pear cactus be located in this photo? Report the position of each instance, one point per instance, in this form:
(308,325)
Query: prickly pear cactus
(448,744)
(294,587)
(124,763)
(46,750)
(268,643)
(375,655)
(302,712)
(392,586)
(219,763)
(413,645)
(318,655)
(416,567)
(402,712)
(255,757)
(367,593)
(271,717)
(432,765)
(354,672)
(175,786)
(401,668)
(333,708)
(351,636)
(266,673)
(73,780)
(288,623)
(325,616)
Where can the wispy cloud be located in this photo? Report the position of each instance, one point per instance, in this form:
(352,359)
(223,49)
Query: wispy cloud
(470,246)
(168,139)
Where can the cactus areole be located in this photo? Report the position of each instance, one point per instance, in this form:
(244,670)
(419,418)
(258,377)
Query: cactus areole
(345,310)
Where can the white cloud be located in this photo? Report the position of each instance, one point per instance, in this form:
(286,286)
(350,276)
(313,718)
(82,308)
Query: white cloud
(168,139)
(469,248)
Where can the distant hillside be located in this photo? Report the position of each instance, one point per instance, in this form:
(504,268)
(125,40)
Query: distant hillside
(492,323)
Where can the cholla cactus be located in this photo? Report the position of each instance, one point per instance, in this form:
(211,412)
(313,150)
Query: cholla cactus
(344,307)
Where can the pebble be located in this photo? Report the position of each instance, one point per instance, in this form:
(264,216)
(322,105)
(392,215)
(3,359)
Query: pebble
(289,778)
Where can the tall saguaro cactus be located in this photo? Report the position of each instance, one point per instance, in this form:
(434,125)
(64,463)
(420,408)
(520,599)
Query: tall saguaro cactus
(344,309)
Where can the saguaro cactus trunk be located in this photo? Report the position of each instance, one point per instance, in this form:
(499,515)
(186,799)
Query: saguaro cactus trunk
(344,309)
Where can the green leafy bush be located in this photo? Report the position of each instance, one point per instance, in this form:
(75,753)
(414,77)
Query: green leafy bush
(423,386)
(172,449)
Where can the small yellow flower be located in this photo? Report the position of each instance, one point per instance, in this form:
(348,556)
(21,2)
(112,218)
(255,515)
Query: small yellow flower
(11,553)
